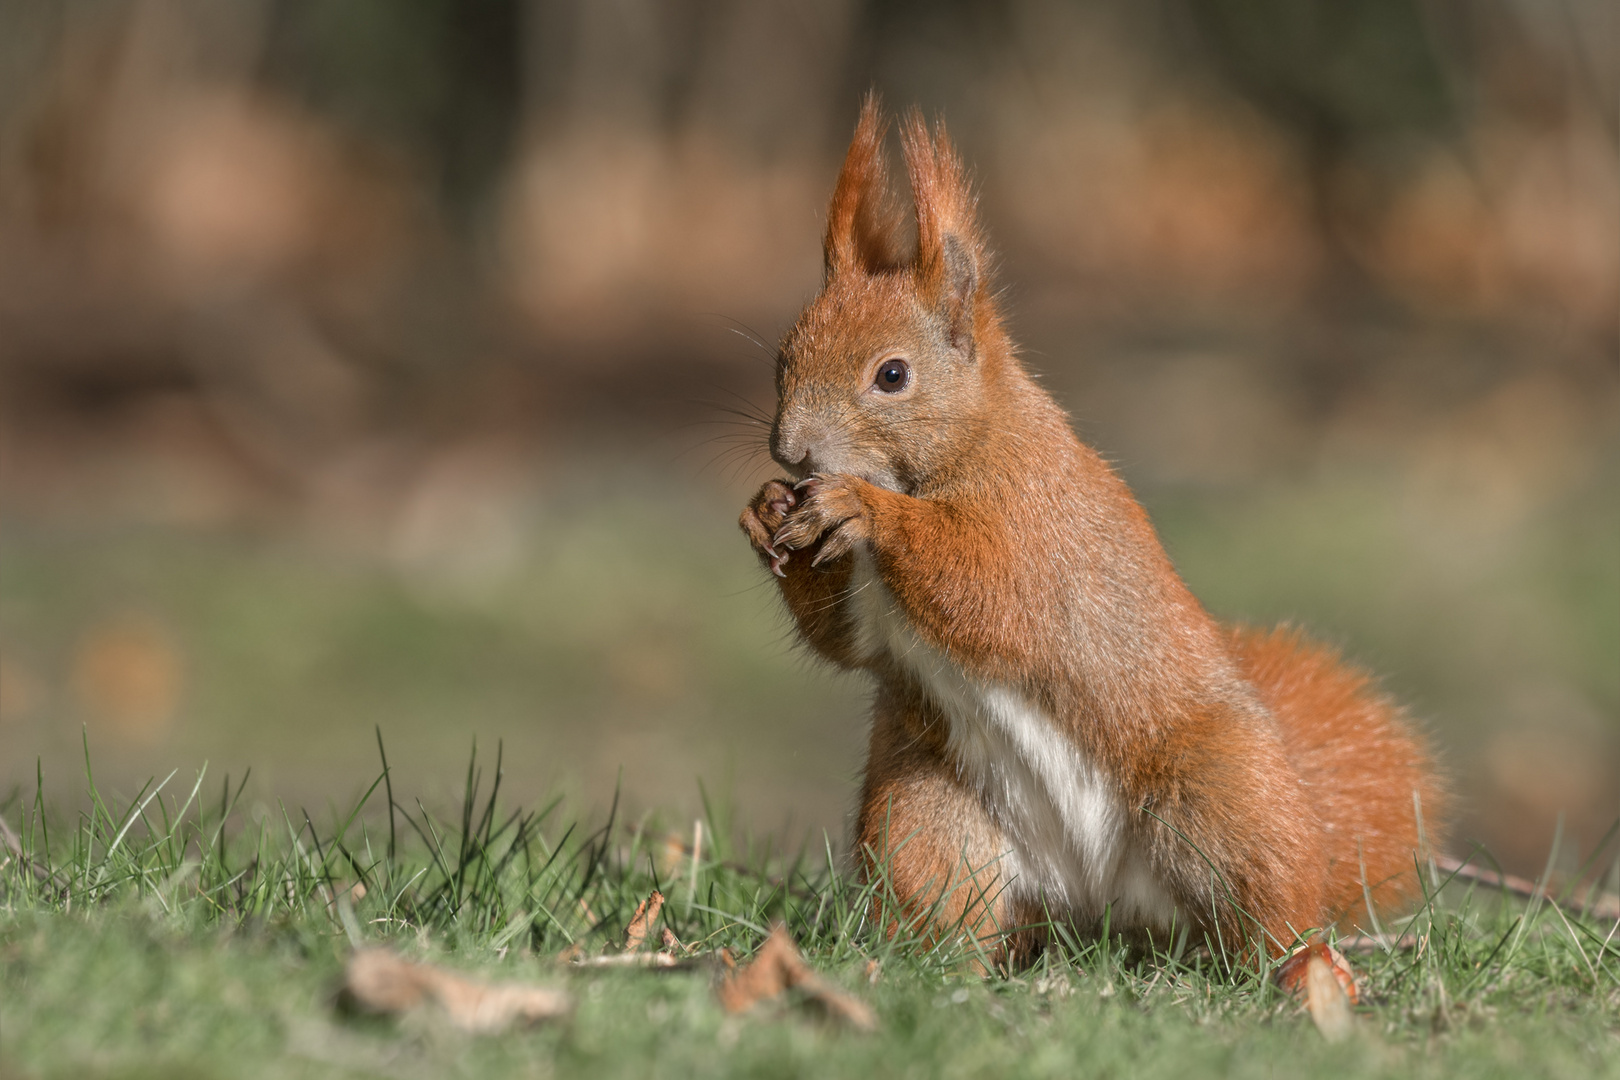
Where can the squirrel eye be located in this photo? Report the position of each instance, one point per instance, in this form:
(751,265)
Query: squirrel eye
(892,376)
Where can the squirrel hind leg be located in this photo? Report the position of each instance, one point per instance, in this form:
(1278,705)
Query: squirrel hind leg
(935,861)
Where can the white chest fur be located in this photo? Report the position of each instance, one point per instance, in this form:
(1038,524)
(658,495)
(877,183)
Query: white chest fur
(1064,818)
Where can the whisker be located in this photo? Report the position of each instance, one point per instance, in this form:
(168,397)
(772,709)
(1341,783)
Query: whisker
(738,438)
(747,421)
(742,464)
(771,353)
(840,597)
(736,459)
(744,408)
(745,590)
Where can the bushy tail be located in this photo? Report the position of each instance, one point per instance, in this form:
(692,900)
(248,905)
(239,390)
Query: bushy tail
(1368,772)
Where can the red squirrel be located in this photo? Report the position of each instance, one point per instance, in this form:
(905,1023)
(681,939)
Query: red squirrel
(1060,730)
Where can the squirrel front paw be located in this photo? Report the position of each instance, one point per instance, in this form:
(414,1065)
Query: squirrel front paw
(830,511)
(765,514)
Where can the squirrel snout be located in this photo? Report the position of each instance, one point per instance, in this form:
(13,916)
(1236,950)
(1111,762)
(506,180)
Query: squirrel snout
(793,450)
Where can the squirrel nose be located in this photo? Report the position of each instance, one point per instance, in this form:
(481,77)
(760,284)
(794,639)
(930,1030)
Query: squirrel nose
(794,461)
(792,451)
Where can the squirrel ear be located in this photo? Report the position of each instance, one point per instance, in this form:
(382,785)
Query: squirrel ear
(863,223)
(950,255)
(958,283)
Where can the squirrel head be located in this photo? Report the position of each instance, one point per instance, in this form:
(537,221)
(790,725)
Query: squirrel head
(887,374)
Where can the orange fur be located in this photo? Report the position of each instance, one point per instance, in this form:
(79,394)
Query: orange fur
(1353,748)
(1238,780)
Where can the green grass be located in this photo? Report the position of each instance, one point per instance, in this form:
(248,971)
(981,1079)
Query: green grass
(179,933)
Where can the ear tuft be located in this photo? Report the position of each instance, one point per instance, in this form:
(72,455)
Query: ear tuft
(950,254)
(864,226)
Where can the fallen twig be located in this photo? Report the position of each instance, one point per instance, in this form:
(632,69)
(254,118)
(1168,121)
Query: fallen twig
(1367,943)
(640,925)
(1602,906)
(1587,901)
(631,960)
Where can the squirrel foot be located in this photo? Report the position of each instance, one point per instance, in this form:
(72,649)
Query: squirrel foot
(829,511)
(763,516)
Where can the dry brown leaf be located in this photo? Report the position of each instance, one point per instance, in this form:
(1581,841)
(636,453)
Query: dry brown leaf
(1326,998)
(671,943)
(763,977)
(778,966)
(378,981)
(1291,973)
(642,922)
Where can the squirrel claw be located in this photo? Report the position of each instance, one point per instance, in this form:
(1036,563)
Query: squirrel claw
(776,564)
(795,536)
(837,544)
(784,503)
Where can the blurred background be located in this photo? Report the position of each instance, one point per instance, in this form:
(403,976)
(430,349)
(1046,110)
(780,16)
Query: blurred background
(378,364)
